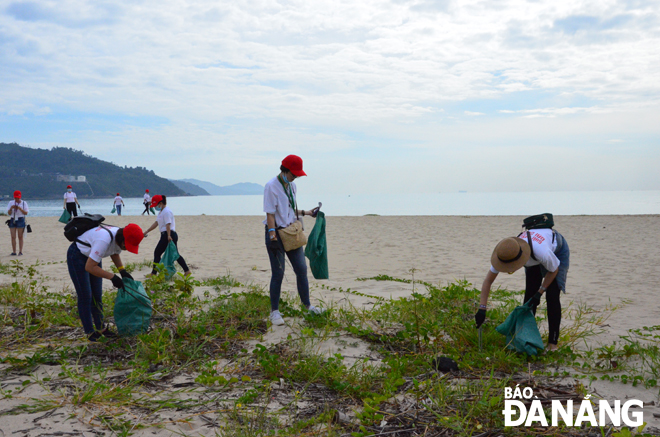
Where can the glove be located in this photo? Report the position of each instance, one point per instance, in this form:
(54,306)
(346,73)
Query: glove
(124,274)
(274,245)
(536,299)
(117,282)
(479,317)
(314,212)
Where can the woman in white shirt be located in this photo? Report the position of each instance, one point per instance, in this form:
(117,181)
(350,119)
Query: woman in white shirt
(17,209)
(70,201)
(118,203)
(281,211)
(167,226)
(545,255)
(146,202)
(86,271)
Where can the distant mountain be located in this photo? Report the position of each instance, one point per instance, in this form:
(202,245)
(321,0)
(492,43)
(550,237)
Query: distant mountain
(192,189)
(243,188)
(44,174)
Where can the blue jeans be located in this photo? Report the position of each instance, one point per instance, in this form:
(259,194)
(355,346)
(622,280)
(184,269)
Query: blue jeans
(297,259)
(89,289)
(17,222)
(563,253)
(118,209)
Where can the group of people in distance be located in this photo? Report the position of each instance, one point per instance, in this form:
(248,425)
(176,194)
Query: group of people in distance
(542,251)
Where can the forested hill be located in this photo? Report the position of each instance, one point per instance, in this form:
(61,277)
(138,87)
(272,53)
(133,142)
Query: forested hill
(36,172)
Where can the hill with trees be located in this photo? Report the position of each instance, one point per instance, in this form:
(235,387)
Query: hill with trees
(44,174)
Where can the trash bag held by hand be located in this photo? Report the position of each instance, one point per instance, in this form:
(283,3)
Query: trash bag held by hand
(317,249)
(170,255)
(114,210)
(65,217)
(153,211)
(132,309)
(521,332)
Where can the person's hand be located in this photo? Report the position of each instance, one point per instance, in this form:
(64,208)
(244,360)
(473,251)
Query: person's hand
(169,238)
(124,274)
(536,299)
(273,244)
(145,234)
(314,212)
(117,282)
(480,317)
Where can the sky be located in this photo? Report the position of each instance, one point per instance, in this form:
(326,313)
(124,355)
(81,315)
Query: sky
(376,96)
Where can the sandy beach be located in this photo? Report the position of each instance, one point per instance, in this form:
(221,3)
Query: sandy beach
(614,261)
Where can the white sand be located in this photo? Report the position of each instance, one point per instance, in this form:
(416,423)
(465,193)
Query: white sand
(613,258)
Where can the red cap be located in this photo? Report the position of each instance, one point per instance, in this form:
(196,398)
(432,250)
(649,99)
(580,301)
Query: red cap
(17,194)
(69,186)
(133,235)
(147,190)
(294,164)
(156,200)
(117,194)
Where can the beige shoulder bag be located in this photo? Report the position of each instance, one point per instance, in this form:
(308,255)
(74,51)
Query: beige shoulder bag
(293,235)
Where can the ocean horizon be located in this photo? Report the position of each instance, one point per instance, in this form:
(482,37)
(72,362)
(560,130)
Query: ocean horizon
(461,203)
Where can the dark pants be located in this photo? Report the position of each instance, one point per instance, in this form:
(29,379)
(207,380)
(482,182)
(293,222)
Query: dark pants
(71,207)
(297,259)
(162,246)
(89,289)
(146,208)
(533,280)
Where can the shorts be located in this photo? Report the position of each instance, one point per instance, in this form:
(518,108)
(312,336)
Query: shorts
(17,223)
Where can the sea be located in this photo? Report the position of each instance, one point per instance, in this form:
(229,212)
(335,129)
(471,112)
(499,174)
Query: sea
(461,203)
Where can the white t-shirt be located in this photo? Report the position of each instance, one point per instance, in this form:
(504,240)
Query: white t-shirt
(101,243)
(164,217)
(118,200)
(16,213)
(276,202)
(70,197)
(147,198)
(544,249)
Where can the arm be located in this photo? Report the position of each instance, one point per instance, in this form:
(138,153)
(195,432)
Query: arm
(485,287)
(549,277)
(76,199)
(116,259)
(64,205)
(151,228)
(270,222)
(24,211)
(167,227)
(93,267)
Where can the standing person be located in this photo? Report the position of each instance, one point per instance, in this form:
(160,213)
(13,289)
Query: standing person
(545,255)
(281,211)
(84,262)
(17,209)
(118,203)
(146,202)
(70,201)
(167,226)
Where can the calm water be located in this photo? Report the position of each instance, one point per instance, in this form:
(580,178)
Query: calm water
(559,203)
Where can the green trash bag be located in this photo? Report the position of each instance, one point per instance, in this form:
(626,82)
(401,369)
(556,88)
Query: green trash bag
(153,211)
(65,217)
(521,332)
(317,249)
(114,210)
(170,255)
(132,309)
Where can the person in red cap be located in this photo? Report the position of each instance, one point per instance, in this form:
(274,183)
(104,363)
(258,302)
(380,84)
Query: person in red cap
(85,269)
(167,226)
(17,209)
(118,203)
(281,211)
(146,202)
(70,201)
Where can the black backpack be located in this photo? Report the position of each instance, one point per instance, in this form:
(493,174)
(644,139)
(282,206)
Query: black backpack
(541,221)
(81,224)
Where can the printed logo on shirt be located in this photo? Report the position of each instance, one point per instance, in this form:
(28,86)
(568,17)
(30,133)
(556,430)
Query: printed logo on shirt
(537,238)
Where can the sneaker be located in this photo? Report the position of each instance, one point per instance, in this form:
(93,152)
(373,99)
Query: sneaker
(276,318)
(316,310)
(109,334)
(12,254)
(94,336)
(20,253)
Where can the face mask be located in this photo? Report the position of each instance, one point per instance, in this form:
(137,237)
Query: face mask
(158,208)
(286,181)
(68,190)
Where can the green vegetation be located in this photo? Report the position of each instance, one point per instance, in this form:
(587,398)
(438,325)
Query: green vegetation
(33,171)
(210,358)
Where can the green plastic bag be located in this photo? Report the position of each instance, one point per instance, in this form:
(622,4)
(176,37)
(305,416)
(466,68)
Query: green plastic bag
(152,211)
(170,255)
(65,217)
(132,309)
(317,249)
(114,210)
(521,332)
